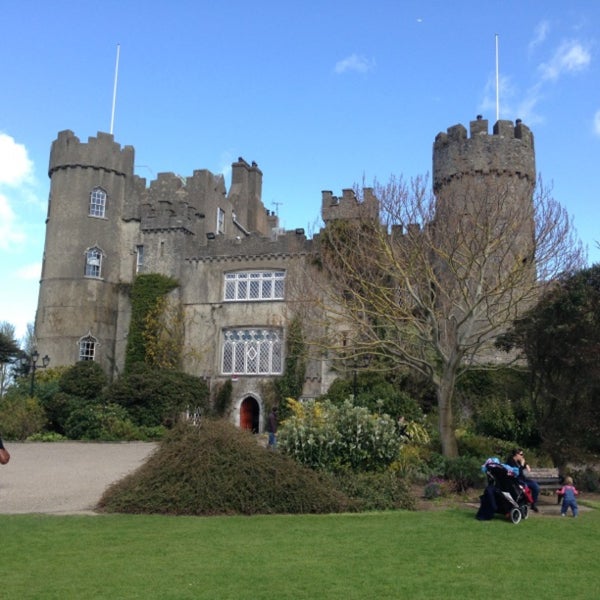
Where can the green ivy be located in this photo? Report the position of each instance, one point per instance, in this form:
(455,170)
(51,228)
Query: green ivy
(146,293)
(291,383)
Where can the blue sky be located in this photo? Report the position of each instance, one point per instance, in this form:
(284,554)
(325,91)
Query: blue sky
(320,93)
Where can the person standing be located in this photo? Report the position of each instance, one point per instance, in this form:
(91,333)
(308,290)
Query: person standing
(568,492)
(517,459)
(272,428)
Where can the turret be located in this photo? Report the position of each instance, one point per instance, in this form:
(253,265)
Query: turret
(83,267)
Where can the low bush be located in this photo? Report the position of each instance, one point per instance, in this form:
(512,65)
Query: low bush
(464,472)
(376,491)
(216,468)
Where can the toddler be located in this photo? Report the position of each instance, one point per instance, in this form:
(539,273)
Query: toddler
(568,492)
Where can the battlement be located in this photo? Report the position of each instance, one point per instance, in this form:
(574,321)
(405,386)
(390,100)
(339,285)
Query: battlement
(173,202)
(100,152)
(509,151)
(348,206)
(254,246)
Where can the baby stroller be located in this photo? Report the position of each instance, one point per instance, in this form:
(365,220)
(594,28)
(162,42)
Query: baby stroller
(504,493)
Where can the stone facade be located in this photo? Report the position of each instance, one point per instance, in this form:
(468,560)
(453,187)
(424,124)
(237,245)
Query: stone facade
(105,224)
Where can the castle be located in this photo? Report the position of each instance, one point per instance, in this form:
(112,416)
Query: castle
(234,265)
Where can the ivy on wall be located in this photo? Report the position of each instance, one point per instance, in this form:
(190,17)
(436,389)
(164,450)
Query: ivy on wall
(290,384)
(148,304)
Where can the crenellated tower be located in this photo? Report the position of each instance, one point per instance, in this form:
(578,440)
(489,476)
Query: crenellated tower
(484,177)
(484,220)
(91,187)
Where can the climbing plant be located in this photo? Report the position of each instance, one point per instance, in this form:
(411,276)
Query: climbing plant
(147,306)
(290,384)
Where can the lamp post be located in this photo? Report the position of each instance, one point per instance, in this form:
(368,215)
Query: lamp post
(359,362)
(30,362)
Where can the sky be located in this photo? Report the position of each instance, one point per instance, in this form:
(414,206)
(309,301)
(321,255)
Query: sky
(322,94)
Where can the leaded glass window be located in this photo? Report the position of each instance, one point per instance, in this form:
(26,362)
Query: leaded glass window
(242,286)
(252,352)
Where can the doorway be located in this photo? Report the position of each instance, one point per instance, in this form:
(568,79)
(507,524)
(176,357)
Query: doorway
(250,415)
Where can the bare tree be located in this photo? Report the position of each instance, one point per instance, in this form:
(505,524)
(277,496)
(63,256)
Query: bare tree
(429,284)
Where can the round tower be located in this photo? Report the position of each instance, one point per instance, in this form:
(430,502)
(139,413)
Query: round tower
(484,227)
(484,186)
(87,252)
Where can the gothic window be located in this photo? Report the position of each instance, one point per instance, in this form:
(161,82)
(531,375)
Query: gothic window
(252,352)
(242,286)
(97,203)
(93,262)
(87,347)
(220,220)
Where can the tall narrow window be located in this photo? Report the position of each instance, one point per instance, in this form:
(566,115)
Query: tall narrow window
(97,203)
(87,347)
(220,220)
(252,352)
(93,262)
(139,264)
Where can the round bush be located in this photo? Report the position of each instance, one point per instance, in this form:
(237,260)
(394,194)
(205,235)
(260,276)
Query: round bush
(217,469)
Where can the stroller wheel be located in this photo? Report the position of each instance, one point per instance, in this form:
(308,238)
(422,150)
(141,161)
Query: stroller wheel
(515,515)
(525,511)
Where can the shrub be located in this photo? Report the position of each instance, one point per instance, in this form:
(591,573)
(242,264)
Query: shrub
(84,379)
(376,491)
(376,393)
(436,488)
(324,436)
(216,468)
(464,472)
(20,416)
(158,397)
(586,479)
(222,403)
(46,436)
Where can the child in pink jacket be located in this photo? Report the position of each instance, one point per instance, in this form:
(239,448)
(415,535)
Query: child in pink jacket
(568,492)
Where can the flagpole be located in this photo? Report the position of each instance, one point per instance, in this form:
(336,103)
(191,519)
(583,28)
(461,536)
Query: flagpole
(114,101)
(497,83)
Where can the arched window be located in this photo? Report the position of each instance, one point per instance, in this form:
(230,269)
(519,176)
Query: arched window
(252,352)
(93,262)
(87,347)
(97,203)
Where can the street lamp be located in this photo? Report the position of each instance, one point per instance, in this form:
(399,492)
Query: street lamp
(30,363)
(359,362)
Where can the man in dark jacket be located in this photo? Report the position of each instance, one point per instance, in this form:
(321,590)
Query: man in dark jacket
(272,428)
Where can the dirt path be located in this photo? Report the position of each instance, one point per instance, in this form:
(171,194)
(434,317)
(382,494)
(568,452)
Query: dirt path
(64,477)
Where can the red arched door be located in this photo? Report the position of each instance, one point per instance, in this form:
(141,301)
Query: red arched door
(250,415)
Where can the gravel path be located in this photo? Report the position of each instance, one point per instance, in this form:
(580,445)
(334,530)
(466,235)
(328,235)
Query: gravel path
(64,477)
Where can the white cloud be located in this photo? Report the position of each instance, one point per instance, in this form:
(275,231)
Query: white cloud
(570,57)
(15,166)
(597,123)
(10,232)
(354,62)
(31,272)
(539,35)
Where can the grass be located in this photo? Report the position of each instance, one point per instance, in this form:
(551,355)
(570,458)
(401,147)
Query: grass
(442,554)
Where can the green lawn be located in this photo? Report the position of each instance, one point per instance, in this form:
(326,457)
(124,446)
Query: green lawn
(407,555)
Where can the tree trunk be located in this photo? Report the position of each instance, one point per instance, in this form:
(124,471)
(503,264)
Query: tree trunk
(445,392)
